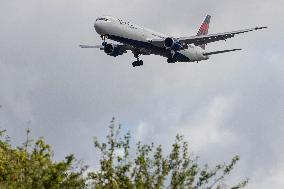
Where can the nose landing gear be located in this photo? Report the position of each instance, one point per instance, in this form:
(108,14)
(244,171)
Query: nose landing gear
(138,62)
(104,40)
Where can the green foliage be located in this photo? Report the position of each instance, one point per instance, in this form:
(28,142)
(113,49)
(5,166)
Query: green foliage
(31,166)
(150,168)
(147,167)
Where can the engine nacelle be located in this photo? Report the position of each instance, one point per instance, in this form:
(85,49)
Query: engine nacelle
(172,44)
(112,50)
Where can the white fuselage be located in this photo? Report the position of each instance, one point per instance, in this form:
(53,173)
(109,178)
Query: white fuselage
(135,35)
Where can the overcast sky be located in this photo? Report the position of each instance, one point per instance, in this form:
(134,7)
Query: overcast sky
(231,104)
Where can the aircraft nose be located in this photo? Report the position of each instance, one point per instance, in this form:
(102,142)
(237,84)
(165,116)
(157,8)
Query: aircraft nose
(101,27)
(98,27)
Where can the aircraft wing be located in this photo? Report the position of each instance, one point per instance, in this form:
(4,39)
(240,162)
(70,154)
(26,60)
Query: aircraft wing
(120,46)
(89,46)
(204,39)
(219,52)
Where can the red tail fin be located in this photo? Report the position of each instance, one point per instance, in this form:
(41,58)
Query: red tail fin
(204,27)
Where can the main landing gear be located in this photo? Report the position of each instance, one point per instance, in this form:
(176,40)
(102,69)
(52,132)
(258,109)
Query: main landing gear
(138,62)
(170,60)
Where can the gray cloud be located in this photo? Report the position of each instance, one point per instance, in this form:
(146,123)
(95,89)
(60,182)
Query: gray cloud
(231,104)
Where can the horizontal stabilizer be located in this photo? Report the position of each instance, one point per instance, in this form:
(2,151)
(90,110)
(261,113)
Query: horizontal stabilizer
(95,47)
(219,52)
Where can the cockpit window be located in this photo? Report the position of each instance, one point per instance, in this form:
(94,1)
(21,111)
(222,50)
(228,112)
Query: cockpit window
(103,19)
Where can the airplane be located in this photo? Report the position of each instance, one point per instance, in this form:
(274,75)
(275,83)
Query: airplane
(143,41)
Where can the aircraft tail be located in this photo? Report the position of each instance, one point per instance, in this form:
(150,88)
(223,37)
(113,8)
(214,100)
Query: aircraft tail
(203,29)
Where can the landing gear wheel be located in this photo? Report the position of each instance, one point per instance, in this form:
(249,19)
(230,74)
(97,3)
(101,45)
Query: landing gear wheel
(137,63)
(170,60)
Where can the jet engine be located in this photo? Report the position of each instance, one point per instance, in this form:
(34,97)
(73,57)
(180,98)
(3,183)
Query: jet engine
(172,44)
(113,50)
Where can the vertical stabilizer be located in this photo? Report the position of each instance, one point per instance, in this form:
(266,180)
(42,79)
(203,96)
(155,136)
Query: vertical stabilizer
(204,27)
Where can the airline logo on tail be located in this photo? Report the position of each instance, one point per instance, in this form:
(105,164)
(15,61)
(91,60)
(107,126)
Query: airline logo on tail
(203,29)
